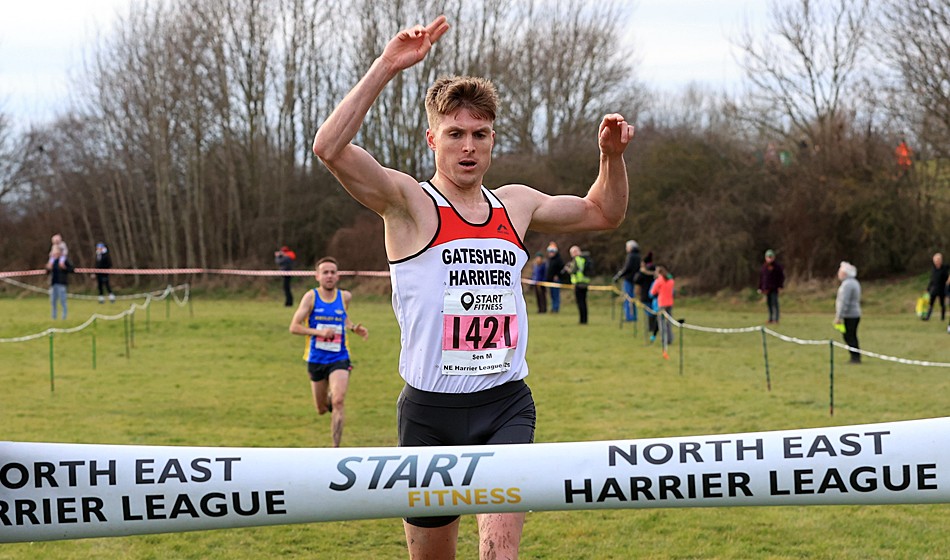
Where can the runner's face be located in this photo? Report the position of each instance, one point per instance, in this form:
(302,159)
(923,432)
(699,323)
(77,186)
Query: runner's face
(462,144)
(327,275)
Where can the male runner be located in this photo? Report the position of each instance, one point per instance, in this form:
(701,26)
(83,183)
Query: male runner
(328,356)
(456,254)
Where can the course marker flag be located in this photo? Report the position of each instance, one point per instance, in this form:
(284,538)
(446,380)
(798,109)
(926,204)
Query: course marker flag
(54,491)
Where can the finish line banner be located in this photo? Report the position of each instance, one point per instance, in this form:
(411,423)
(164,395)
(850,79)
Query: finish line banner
(52,491)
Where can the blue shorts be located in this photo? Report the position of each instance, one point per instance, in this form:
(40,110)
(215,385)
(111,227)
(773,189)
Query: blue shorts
(500,415)
(319,372)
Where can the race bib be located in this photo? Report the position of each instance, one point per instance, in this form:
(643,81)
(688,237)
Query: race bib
(329,345)
(479,331)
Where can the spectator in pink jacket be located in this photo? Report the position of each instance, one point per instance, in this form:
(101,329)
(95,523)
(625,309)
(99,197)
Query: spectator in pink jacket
(662,288)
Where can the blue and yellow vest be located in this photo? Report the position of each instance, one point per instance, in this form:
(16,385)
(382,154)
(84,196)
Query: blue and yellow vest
(327,314)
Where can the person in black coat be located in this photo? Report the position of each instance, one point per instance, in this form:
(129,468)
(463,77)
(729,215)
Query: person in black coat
(103,262)
(771,283)
(938,285)
(644,279)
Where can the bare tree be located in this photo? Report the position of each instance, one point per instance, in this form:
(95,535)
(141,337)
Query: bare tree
(565,67)
(917,49)
(803,71)
(7,161)
(190,142)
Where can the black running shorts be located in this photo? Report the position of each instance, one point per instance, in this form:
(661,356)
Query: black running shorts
(500,415)
(319,372)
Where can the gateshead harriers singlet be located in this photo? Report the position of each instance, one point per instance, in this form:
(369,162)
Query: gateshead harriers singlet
(459,303)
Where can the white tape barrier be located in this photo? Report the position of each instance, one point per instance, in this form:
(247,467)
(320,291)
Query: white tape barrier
(803,342)
(52,491)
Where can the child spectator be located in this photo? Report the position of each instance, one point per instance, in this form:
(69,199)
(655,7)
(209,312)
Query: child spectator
(58,246)
(663,290)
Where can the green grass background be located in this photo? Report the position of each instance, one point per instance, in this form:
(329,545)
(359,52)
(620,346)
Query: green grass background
(231,375)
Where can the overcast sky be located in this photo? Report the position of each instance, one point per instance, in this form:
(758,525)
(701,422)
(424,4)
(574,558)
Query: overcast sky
(42,43)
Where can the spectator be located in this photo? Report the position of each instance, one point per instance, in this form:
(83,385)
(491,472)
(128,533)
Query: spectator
(771,281)
(663,289)
(848,307)
(903,154)
(937,287)
(644,279)
(539,274)
(631,266)
(103,262)
(285,258)
(554,274)
(578,268)
(58,268)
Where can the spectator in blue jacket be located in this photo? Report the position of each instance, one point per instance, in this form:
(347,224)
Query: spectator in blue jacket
(631,267)
(539,274)
(553,273)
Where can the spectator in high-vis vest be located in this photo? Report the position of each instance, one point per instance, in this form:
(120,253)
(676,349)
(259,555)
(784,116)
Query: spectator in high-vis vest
(578,268)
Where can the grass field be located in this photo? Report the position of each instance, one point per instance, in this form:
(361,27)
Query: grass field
(231,375)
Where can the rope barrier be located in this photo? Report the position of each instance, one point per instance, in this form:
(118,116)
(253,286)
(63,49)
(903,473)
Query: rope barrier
(39,290)
(801,341)
(157,295)
(223,271)
(6,277)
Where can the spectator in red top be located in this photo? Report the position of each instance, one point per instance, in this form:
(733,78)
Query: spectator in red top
(903,153)
(285,258)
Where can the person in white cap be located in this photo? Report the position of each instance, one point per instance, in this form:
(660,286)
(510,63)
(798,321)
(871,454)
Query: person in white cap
(848,307)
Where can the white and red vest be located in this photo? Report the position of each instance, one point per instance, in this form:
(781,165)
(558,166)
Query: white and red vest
(459,303)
